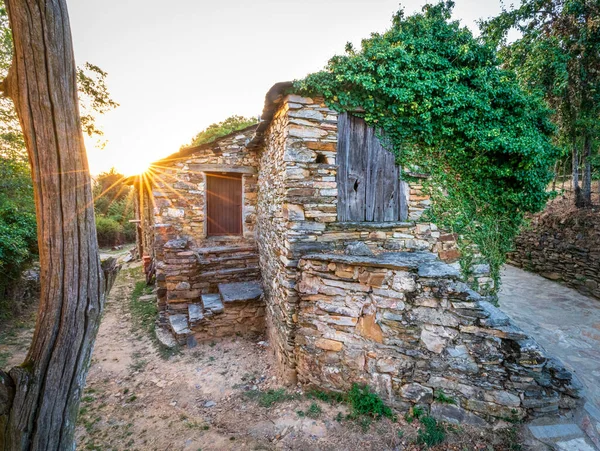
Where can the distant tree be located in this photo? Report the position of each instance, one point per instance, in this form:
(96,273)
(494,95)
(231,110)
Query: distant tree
(39,399)
(558,54)
(216,130)
(114,208)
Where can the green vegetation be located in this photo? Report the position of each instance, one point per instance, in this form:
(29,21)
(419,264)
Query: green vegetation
(442,398)
(449,110)
(364,402)
(143,315)
(270,397)
(113,205)
(557,56)
(216,130)
(432,433)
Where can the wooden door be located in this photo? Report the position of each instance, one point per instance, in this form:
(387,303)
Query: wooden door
(223,204)
(369,185)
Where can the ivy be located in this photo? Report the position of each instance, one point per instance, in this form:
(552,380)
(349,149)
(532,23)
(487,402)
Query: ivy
(449,110)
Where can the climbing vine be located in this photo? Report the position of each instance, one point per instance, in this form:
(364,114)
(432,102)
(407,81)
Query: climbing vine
(449,110)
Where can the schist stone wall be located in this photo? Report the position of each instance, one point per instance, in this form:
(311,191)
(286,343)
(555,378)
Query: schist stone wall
(404,324)
(297,214)
(188,262)
(562,247)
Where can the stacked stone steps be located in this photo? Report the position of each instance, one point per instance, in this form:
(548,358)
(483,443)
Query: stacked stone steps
(219,312)
(226,264)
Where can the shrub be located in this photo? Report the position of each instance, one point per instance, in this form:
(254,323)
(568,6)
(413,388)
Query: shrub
(110,232)
(364,402)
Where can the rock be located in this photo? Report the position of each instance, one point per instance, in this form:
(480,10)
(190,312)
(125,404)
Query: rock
(209,404)
(416,393)
(456,415)
(165,337)
(191,341)
(179,324)
(358,248)
(180,243)
(438,269)
(147,298)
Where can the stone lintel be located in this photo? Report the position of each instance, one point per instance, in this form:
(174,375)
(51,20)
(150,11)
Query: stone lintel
(369,225)
(222,168)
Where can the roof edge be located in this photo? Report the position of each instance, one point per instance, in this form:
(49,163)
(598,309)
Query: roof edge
(185,152)
(273,99)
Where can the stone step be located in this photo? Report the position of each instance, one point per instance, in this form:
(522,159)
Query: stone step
(203,251)
(228,272)
(195,313)
(240,291)
(179,324)
(212,303)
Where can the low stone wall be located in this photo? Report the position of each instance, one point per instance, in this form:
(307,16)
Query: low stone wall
(239,318)
(404,324)
(562,246)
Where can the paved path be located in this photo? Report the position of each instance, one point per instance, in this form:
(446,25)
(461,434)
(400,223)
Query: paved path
(563,321)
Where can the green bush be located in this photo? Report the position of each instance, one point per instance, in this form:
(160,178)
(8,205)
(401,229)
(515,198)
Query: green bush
(110,232)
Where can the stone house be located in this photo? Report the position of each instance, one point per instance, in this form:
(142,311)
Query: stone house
(301,227)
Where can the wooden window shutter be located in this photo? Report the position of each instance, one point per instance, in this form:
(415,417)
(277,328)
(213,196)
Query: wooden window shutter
(369,185)
(223,204)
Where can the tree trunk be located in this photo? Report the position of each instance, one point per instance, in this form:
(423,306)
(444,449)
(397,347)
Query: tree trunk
(586,191)
(39,400)
(575,168)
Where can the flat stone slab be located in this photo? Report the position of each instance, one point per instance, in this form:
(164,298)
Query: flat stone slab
(556,431)
(577,444)
(240,291)
(179,324)
(165,337)
(438,269)
(389,260)
(195,313)
(212,303)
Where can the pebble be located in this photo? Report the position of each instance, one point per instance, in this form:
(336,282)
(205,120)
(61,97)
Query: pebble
(210,404)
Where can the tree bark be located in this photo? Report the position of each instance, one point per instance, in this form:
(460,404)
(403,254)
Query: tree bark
(575,172)
(39,400)
(586,191)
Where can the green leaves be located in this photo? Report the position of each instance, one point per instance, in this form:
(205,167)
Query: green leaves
(214,131)
(447,107)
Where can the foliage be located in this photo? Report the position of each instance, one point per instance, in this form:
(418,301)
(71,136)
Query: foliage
(113,204)
(94,97)
(443,398)
(18,235)
(270,397)
(216,130)
(432,433)
(557,56)
(365,402)
(447,109)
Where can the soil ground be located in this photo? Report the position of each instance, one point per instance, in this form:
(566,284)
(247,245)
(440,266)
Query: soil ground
(220,395)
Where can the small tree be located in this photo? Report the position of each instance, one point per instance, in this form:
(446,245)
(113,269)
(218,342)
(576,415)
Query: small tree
(558,56)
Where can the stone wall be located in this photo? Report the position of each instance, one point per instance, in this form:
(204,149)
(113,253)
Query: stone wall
(404,324)
(297,212)
(563,246)
(188,262)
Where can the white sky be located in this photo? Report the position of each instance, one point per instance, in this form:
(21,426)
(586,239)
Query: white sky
(176,67)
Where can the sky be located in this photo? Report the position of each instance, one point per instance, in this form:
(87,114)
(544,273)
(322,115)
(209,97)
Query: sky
(176,67)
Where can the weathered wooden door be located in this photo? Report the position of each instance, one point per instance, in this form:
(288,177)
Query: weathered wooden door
(369,185)
(224,204)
